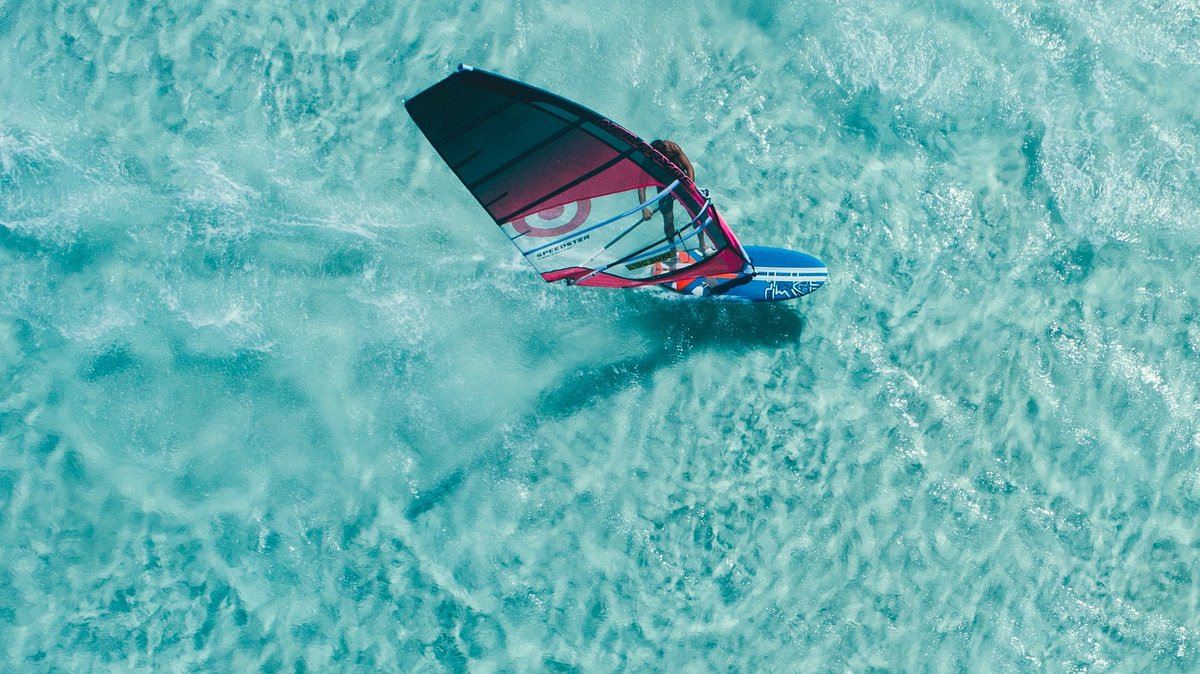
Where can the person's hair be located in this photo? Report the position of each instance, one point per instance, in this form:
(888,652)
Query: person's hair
(668,149)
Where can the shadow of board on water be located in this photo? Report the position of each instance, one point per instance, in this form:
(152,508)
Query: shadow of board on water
(673,328)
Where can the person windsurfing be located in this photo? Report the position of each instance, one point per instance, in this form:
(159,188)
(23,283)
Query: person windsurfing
(666,205)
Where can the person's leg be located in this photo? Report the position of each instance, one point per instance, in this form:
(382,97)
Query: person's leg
(667,208)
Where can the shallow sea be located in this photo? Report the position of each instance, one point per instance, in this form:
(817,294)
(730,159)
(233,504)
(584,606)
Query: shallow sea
(276,396)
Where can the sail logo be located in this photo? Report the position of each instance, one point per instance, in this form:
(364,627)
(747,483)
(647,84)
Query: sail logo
(650,260)
(561,247)
(786,290)
(556,220)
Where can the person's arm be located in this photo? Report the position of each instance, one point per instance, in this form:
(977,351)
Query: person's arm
(687,166)
(676,155)
(646,213)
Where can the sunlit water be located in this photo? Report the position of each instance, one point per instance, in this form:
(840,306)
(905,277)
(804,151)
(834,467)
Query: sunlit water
(276,395)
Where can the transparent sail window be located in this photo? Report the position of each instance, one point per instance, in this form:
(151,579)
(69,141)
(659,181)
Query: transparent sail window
(620,234)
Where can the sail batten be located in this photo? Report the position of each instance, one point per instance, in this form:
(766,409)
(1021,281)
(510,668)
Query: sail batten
(475,122)
(563,181)
(525,154)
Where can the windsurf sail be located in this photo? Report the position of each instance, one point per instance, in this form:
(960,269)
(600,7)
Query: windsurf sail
(583,199)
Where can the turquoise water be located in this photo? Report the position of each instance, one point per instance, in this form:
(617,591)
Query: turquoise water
(276,396)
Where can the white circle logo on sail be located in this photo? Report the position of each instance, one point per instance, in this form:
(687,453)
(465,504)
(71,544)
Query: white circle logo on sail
(556,220)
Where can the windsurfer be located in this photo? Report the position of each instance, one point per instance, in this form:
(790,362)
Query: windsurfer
(666,205)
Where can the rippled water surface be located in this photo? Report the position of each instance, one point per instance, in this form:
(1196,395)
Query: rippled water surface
(276,396)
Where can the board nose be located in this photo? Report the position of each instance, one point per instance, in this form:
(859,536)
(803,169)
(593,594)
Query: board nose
(809,261)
